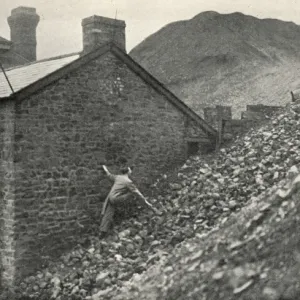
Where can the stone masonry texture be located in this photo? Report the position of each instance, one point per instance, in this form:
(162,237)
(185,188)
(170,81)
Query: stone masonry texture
(7,199)
(101,113)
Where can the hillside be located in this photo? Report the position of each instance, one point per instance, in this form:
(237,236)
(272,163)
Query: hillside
(228,59)
(230,225)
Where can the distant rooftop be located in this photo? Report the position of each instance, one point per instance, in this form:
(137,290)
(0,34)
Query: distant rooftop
(22,76)
(4,44)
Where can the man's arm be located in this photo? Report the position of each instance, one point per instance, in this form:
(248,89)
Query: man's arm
(109,175)
(133,189)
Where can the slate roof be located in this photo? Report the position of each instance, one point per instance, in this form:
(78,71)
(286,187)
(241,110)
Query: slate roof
(29,78)
(22,76)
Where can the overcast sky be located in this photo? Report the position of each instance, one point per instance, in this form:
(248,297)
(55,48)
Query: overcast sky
(59,31)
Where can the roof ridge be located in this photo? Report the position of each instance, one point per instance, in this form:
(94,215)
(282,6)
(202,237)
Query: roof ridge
(167,92)
(42,60)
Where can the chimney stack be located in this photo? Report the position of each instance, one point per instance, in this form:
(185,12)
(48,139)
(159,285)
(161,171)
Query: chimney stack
(23,22)
(98,31)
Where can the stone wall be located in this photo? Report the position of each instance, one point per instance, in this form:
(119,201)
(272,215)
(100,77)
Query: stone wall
(2,206)
(7,196)
(259,112)
(214,114)
(295,95)
(220,117)
(195,136)
(231,129)
(100,114)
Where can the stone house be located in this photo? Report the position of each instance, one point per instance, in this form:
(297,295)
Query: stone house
(66,116)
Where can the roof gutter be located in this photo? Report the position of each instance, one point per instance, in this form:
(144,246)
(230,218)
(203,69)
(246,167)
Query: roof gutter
(11,97)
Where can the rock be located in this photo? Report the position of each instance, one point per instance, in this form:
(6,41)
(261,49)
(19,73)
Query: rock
(91,250)
(101,278)
(209,203)
(235,245)
(107,281)
(141,268)
(291,293)
(125,233)
(271,294)
(175,186)
(203,171)
(23,285)
(130,248)
(43,284)
(101,294)
(55,281)
(143,233)
(155,243)
(35,288)
(292,172)
(48,275)
(232,204)
(85,263)
(242,288)
(75,290)
(218,275)
(55,292)
(118,257)
(83,292)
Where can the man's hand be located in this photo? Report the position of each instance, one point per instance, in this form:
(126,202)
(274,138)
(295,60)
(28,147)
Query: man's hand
(156,211)
(107,173)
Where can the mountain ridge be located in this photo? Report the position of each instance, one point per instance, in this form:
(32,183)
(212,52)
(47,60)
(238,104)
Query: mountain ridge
(212,58)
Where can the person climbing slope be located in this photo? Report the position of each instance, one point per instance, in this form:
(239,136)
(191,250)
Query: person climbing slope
(121,190)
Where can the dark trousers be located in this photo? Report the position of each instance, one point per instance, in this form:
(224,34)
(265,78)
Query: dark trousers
(108,217)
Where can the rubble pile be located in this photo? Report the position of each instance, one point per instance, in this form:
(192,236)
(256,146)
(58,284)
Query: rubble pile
(205,192)
(256,256)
